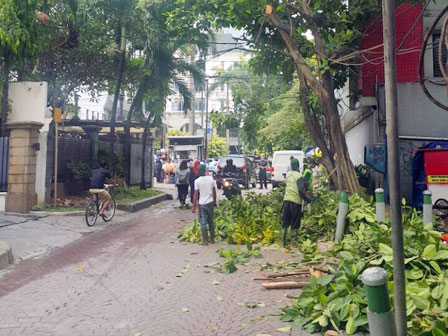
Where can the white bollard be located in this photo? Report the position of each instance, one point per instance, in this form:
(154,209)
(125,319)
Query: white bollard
(427,207)
(342,213)
(380,205)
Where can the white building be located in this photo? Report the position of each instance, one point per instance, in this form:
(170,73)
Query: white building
(227,53)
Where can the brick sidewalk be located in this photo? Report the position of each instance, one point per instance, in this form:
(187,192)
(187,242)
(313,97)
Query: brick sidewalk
(122,281)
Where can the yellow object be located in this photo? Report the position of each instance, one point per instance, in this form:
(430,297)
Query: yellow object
(269,9)
(317,153)
(57,115)
(438,179)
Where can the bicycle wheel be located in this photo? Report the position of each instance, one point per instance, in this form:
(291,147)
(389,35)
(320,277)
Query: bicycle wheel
(91,213)
(109,213)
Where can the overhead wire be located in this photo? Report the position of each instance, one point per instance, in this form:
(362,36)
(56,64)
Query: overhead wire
(422,57)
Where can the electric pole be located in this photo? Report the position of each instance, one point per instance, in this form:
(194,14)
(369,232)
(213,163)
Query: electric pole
(393,164)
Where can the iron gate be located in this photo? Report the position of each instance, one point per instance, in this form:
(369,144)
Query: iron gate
(4,154)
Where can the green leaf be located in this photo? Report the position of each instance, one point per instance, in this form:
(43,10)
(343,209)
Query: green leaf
(215,282)
(421,302)
(185,310)
(441,255)
(219,298)
(429,251)
(350,328)
(284,329)
(385,250)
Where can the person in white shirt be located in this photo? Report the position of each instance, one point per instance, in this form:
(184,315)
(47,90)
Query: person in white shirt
(205,195)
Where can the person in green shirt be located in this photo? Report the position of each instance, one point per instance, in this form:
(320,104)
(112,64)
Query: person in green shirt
(308,174)
(295,191)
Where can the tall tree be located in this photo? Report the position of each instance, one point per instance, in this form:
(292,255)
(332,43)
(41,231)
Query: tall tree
(279,29)
(17,42)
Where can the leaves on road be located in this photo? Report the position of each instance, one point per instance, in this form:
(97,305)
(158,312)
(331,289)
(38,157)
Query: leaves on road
(219,298)
(185,310)
(215,282)
(284,329)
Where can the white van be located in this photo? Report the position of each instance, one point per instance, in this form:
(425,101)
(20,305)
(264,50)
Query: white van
(281,162)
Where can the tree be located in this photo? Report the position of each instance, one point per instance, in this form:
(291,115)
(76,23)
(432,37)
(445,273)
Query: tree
(162,67)
(17,42)
(217,147)
(278,29)
(285,128)
(253,96)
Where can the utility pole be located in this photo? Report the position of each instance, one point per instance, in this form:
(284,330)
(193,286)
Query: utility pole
(206,121)
(393,164)
(228,112)
(191,86)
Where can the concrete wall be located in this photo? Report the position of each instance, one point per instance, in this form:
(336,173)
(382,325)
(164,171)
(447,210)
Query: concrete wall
(2,201)
(29,103)
(417,115)
(358,137)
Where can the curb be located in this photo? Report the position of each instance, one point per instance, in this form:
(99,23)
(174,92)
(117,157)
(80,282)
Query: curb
(5,255)
(139,205)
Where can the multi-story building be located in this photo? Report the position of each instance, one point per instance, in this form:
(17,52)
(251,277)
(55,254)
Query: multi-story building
(420,121)
(227,53)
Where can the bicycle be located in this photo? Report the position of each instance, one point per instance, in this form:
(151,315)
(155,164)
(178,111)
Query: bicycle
(94,207)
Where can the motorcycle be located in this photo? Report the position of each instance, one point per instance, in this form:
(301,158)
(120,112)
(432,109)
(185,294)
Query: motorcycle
(230,186)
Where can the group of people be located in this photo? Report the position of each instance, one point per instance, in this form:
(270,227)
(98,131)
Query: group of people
(184,179)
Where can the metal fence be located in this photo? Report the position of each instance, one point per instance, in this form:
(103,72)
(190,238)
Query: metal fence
(4,154)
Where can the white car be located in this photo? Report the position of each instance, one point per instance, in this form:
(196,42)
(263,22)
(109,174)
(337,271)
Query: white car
(281,161)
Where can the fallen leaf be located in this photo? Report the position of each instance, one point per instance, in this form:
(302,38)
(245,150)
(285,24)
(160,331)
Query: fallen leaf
(261,304)
(219,298)
(215,282)
(263,335)
(79,268)
(180,274)
(185,310)
(331,333)
(198,265)
(262,318)
(243,324)
(187,266)
(284,329)
(138,334)
(188,260)
(213,328)
(159,288)
(278,301)
(275,313)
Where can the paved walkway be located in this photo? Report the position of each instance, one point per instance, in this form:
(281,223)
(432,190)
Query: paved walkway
(122,281)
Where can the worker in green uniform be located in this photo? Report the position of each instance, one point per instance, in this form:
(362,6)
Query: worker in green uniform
(295,191)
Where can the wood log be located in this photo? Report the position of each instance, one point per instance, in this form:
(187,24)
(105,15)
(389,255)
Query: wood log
(285,274)
(284,284)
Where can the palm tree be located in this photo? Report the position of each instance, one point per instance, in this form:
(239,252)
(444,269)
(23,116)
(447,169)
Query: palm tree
(162,70)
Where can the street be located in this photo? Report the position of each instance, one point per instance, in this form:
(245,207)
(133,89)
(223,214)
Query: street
(122,281)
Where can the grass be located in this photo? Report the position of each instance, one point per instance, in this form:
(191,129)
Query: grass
(49,208)
(134,194)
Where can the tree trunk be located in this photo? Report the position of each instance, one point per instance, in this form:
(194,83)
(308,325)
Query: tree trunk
(324,89)
(113,113)
(143,165)
(135,106)
(4,103)
(316,133)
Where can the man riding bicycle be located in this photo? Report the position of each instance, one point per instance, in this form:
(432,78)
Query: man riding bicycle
(99,178)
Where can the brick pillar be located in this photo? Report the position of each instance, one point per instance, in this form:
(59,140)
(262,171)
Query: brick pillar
(21,196)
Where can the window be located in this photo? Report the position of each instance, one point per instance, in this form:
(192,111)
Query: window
(223,104)
(435,55)
(199,104)
(178,105)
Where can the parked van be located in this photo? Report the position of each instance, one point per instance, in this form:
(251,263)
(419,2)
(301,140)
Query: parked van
(280,164)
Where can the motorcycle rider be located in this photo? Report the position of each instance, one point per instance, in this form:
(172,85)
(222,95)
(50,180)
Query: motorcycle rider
(229,169)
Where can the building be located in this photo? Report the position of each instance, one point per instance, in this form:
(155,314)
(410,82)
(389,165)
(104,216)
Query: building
(227,53)
(419,120)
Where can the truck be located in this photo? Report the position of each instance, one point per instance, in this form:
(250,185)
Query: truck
(184,147)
